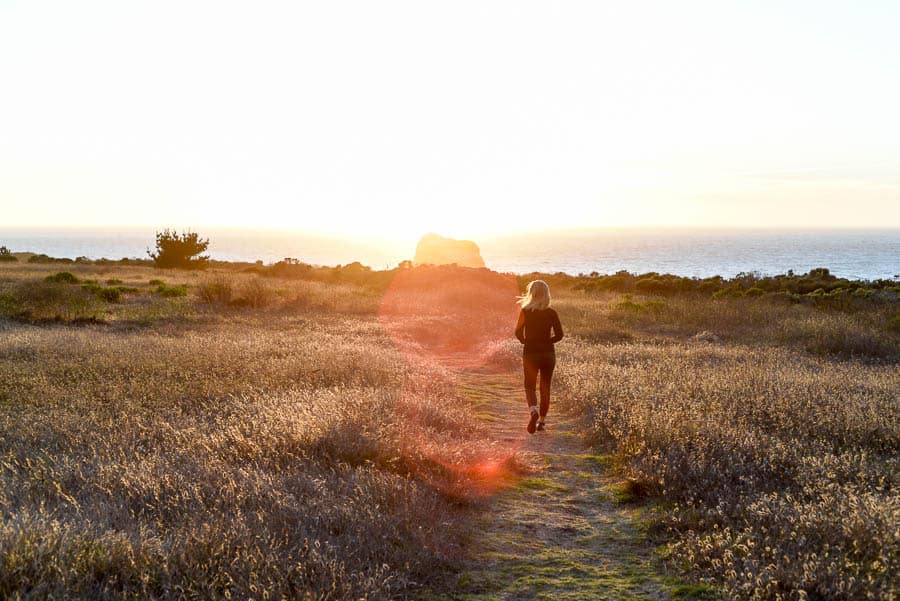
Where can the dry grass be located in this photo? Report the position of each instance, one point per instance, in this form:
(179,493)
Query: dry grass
(225,434)
(145,296)
(780,464)
(858,334)
(236,452)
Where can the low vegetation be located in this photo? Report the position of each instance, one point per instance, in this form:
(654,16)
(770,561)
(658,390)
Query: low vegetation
(770,430)
(7,256)
(817,283)
(263,445)
(183,433)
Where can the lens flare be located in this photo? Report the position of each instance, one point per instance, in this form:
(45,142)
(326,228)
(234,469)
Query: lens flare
(450,315)
(459,321)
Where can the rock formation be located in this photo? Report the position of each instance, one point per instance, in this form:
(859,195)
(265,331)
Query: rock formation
(437,250)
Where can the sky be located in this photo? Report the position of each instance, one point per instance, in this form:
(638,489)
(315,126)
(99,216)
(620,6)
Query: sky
(466,118)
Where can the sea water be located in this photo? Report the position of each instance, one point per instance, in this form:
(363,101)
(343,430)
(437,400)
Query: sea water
(860,254)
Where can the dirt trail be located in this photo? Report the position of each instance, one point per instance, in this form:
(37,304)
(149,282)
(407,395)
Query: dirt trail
(557,533)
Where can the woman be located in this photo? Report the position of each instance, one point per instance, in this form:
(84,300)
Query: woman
(536,320)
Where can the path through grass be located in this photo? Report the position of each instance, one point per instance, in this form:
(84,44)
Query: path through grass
(560,532)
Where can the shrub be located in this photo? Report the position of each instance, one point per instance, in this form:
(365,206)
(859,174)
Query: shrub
(62,277)
(42,258)
(729,292)
(708,286)
(670,285)
(5,255)
(785,297)
(156,282)
(51,300)
(110,295)
(653,286)
(755,291)
(171,291)
(255,293)
(91,286)
(180,250)
(217,289)
(614,283)
(289,268)
(821,273)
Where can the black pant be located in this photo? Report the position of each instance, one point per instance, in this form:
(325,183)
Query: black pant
(534,364)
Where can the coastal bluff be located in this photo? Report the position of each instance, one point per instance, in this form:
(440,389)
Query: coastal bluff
(437,250)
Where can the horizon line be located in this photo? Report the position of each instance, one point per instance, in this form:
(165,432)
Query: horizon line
(491,234)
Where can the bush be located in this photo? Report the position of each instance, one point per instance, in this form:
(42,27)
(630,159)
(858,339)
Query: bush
(50,300)
(653,286)
(171,291)
(62,277)
(256,293)
(91,286)
(755,291)
(709,286)
(216,290)
(42,258)
(821,273)
(614,283)
(785,297)
(5,255)
(180,251)
(729,292)
(738,286)
(110,295)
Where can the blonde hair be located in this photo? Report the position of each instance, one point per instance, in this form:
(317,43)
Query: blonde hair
(537,296)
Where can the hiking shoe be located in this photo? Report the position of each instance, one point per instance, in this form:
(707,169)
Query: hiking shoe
(532,422)
(540,426)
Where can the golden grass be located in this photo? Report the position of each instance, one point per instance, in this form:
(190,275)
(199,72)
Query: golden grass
(284,435)
(222,451)
(856,334)
(780,459)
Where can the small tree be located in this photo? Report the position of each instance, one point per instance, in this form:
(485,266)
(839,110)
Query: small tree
(5,255)
(179,250)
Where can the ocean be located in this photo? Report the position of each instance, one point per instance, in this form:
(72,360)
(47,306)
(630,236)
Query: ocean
(859,254)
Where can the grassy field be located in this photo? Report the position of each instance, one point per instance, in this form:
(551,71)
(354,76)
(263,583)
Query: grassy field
(770,432)
(202,445)
(282,432)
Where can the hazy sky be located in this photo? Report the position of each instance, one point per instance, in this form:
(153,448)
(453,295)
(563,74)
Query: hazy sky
(458,117)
